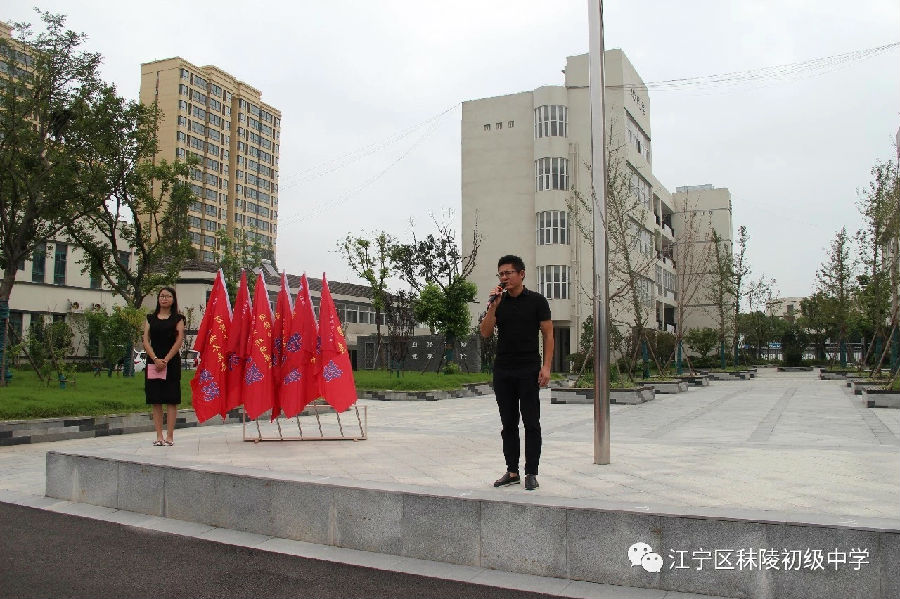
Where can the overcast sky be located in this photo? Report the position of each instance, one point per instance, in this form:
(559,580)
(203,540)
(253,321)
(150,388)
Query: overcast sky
(370,95)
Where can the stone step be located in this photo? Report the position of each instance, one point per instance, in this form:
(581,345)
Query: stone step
(731,554)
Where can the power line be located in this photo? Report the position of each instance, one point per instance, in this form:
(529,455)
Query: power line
(329,166)
(298,217)
(807,68)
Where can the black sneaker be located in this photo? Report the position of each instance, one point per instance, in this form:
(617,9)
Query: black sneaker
(506,480)
(531,482)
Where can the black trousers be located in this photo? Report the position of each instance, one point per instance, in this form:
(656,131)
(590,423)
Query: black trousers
(517,392)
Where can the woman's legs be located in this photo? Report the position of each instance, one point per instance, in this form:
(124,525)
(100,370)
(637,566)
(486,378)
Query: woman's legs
(171,414)
(157,420)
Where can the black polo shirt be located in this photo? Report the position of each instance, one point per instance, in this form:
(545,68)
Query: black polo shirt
(518,324)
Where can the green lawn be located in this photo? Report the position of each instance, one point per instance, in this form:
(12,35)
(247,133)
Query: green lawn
(26,398)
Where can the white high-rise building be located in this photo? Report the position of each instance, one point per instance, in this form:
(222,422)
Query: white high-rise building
(522,156)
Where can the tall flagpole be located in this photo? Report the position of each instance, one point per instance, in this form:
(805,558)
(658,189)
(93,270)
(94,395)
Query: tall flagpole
(601,282)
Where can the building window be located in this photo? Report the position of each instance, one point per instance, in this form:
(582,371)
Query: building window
(553,227)
(638,139)
(15,325)
(59,264)
(487,127)
(640,188)
(553,281)
(510,124)
(644,288)
(499,126)
(551,173)
(551,121)
(124,258)
(38,264)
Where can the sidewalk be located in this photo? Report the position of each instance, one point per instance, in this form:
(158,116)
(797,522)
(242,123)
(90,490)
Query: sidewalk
(786,443)
(784,447)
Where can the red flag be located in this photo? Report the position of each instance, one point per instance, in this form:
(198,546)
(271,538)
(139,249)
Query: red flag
(300,383)
(236,356)
(338,387)
(258,389)
(281,331)
(209,384)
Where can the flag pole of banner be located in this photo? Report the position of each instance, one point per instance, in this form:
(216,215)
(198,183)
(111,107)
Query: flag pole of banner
(209,383)
(282,330)
(299,383)
(236,356)
(257,383)
(338,387)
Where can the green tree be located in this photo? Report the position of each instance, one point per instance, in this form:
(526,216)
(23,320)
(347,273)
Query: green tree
(878,205)
(436,269)
(147,205)
(817,320)
(117,331)
(702,340)
(836,281)
(238,253)
(370,259)
(49,86)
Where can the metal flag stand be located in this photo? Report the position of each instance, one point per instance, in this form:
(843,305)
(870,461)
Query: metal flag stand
(362,421)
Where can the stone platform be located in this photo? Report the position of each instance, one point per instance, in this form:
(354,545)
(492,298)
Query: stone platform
(784,463)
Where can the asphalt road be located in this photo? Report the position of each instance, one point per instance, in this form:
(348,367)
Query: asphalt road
(46,554)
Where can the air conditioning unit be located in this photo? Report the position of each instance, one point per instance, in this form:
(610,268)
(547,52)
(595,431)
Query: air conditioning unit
(96,307)
(74,306)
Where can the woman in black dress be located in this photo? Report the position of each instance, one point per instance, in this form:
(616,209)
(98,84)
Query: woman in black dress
(163,336)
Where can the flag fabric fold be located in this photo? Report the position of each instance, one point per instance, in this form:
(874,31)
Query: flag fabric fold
(258,389)
(281,331)
(237,354)
(338,387)
(208,387)
(299,380)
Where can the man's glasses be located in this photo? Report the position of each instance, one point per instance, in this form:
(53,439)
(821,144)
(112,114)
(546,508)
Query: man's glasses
(506,273)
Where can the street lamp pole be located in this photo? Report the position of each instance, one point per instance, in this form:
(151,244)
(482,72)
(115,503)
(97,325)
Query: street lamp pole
(601,282)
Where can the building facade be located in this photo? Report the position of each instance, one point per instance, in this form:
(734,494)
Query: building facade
(525,156)
(222,121)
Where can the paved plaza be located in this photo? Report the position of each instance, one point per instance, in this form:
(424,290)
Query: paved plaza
(782,442)
(782,446)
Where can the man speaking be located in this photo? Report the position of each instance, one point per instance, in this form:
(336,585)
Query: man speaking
(519,373)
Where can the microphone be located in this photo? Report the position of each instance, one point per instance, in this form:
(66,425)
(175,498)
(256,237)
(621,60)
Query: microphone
(493,297)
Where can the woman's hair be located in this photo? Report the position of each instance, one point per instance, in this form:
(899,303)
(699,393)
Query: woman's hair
(174,301)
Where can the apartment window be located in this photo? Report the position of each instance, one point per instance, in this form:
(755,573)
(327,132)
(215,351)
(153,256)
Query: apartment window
(499,126)
(182,121)
(180,153)
(551,173)
(95,276)
(183,90)
(551,121)
(181,136)
(640,188)
(209,240)
(59,264)
(644,288)
(510,124)
(38,264)
(553,227)
(194,221)
(196,238)
(208,256)
(185,74)
(487,127)
(182,105)
(638,139)
(124,258)
(553,281)
(642,239)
